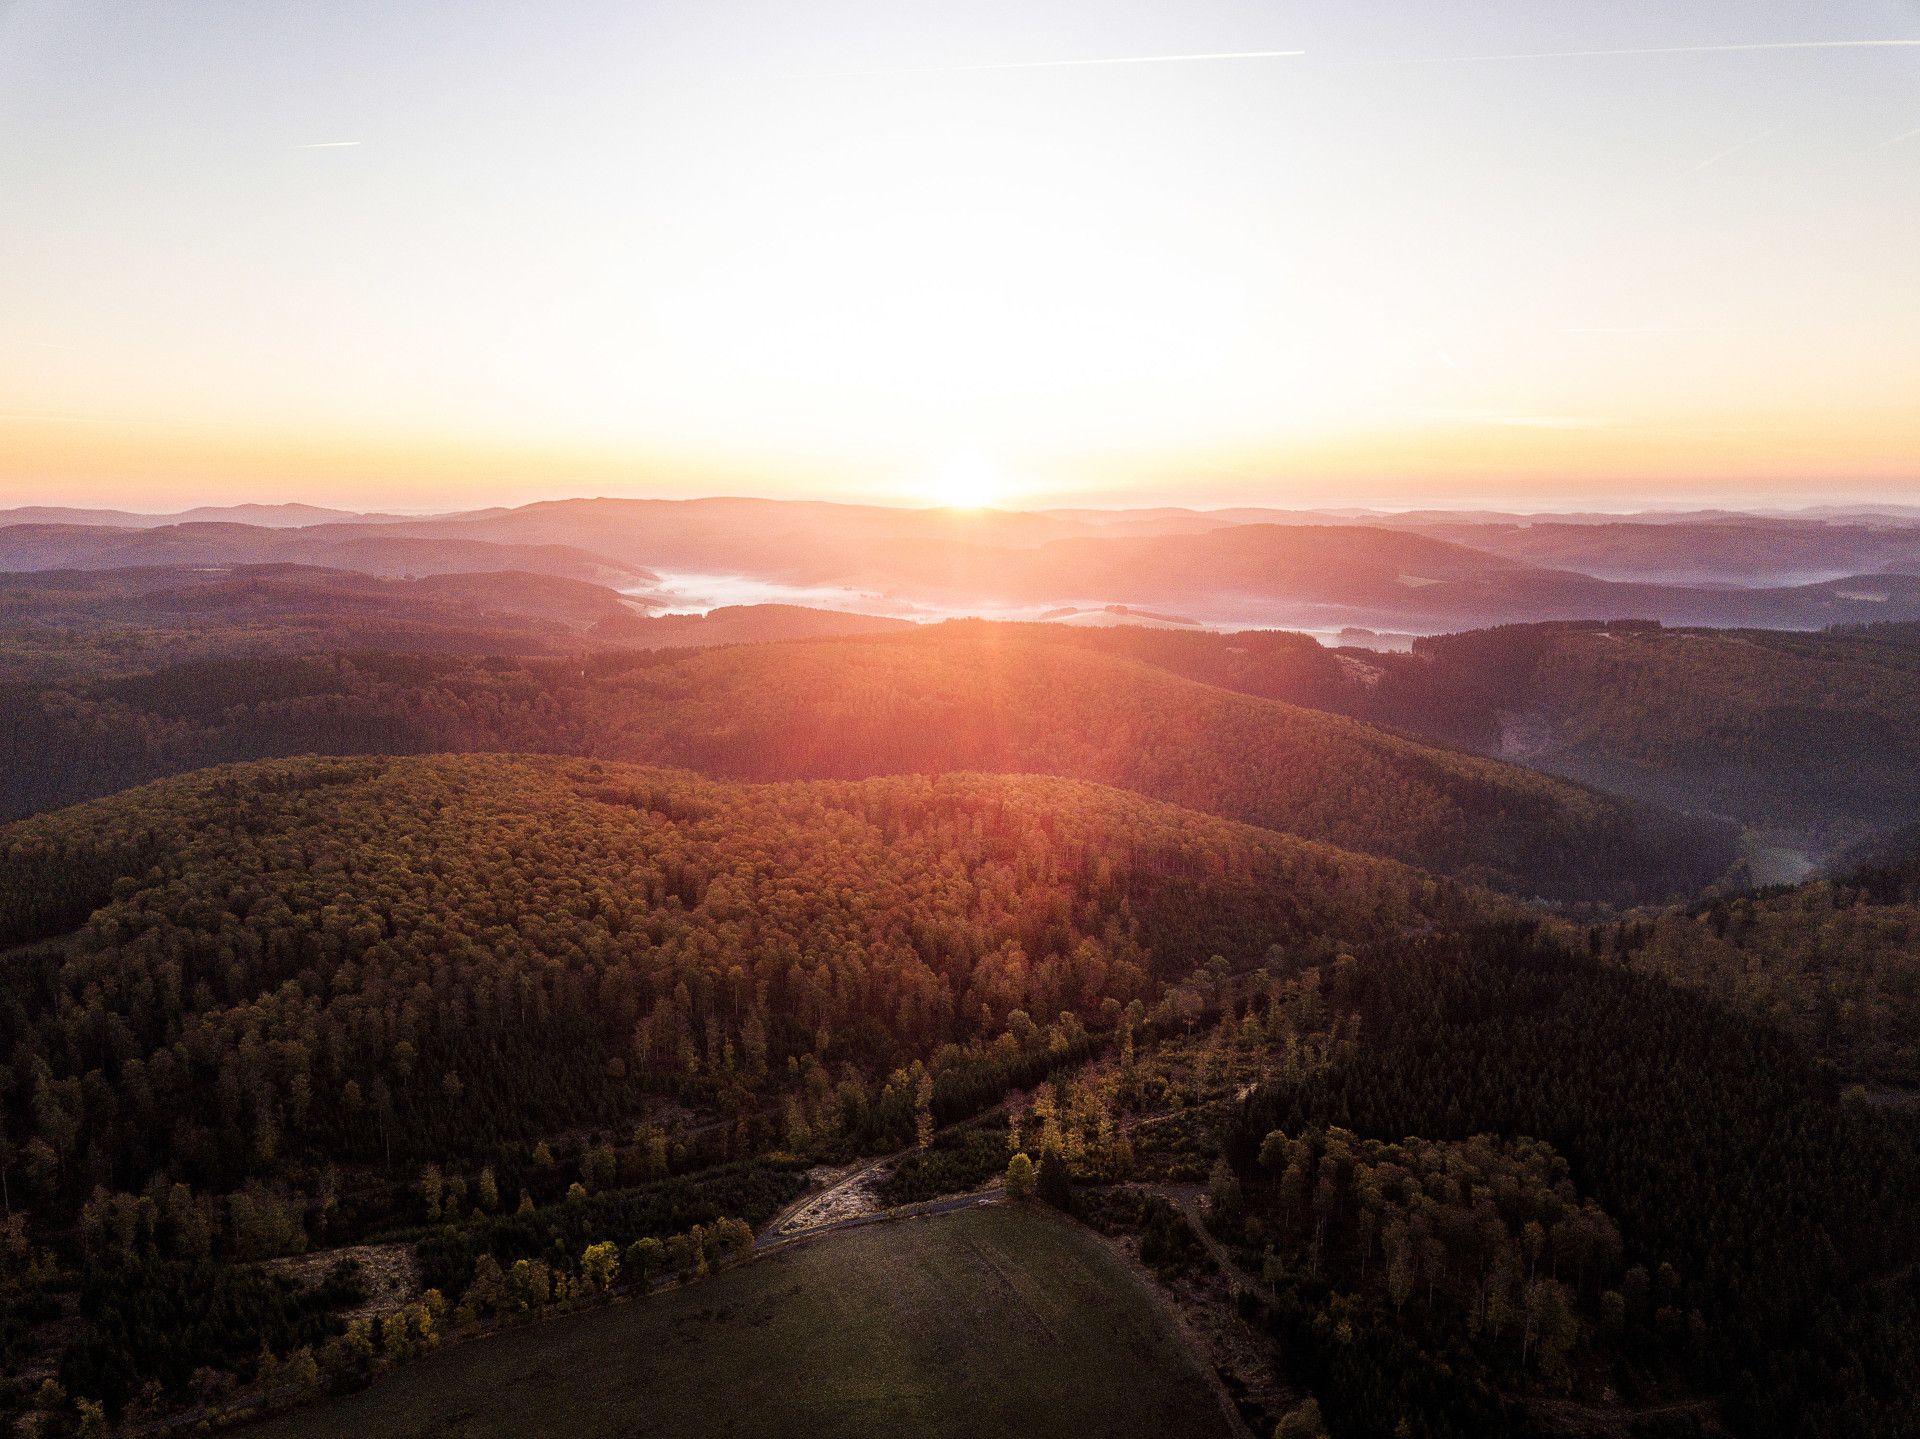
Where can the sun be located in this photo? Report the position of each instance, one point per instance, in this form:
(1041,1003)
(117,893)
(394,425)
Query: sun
(965,482)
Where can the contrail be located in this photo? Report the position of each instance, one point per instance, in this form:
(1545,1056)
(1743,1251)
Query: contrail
(1893,140)
(1657,50)
(328,145)
(1717,157)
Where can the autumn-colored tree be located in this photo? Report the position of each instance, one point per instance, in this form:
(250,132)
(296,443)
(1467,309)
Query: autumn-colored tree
(1020,1177)
(600,1265)
(432,1188)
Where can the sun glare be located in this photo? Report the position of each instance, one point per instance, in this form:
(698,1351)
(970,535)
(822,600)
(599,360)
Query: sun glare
(965,482)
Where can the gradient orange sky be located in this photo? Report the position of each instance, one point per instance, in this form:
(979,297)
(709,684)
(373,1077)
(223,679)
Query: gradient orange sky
(424,256)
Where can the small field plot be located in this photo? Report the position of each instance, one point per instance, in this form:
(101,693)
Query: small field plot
(1001,1321)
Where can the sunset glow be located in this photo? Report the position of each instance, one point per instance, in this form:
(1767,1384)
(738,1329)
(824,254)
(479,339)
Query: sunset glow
(1213,254)
(967,482)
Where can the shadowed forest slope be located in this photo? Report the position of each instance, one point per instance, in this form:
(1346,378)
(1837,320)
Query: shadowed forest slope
(1815,730)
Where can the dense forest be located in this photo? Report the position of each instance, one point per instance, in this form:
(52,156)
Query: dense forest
(1835,961)
(1812,732)
(956,697)
(380,960)
(263,1008)
(581,948)
(1779,1222)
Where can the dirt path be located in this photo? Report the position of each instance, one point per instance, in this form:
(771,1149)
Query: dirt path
(1188,1197)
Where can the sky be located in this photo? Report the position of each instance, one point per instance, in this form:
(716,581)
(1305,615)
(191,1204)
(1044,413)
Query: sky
(409,255)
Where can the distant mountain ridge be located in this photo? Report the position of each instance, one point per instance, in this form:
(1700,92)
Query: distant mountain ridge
(373,549)
(1415,573)
(271,516)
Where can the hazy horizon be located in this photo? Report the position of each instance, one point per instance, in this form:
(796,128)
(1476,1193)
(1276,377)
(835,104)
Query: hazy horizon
(1515,507)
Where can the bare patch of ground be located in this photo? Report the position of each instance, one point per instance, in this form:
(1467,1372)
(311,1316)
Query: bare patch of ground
(389,1274)
(849,1191)
(1360,672)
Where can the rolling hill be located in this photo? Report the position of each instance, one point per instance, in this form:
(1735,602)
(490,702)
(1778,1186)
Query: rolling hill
(960,697)
(1234,567)
(1731,550)
(242,1010)
(1834,961)
(522,923)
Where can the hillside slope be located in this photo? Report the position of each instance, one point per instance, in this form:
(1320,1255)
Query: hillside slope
(219,953)
(955,698)
(982,699)
(1734,550)
(1835,961)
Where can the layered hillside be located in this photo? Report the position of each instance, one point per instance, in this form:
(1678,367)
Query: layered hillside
(956,698)
(1728,550)
(1240,569)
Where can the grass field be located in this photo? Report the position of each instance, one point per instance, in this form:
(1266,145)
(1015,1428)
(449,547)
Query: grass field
(998,1321)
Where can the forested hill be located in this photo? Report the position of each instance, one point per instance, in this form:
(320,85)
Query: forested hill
(1816,730)
(963,697)
(251,971)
